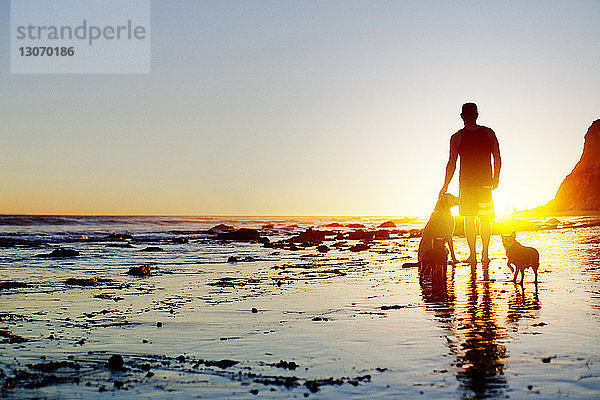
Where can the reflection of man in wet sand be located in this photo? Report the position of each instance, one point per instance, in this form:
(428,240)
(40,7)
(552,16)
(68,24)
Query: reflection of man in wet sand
(475,144)
(473,331)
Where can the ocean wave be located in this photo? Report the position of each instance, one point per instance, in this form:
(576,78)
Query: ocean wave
(28,220)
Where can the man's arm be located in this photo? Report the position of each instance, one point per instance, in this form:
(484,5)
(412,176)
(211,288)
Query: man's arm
(451,166)
(497,160)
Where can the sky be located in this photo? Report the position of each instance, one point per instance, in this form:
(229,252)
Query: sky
(304,108)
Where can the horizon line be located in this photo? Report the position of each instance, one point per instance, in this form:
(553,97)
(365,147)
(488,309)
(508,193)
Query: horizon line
(208,215)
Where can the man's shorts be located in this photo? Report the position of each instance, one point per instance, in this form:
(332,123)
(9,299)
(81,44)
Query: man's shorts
(476,202)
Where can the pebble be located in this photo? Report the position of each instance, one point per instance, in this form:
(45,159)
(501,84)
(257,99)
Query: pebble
(115,362)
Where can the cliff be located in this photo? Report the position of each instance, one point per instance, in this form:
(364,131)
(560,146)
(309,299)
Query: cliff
(580,190)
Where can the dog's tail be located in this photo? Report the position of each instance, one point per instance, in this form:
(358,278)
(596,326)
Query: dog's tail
(411,265)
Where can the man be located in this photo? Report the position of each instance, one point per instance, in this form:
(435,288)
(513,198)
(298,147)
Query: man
(476,145)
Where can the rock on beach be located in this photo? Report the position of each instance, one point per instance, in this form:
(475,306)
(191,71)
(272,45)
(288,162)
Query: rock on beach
(240,235)
(59,253)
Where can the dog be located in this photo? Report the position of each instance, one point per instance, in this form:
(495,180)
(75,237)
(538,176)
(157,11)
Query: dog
(520,256)
(440,225)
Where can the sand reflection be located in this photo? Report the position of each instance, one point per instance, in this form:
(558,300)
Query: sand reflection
(476,322)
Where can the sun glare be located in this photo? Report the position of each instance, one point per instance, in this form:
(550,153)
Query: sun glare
(504,203)
(514,199)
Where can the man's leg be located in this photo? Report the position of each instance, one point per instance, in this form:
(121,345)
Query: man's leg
(467,207)
(486,232)
(471,234)
(485,210)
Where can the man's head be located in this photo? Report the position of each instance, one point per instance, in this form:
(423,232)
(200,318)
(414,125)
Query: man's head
(469,112)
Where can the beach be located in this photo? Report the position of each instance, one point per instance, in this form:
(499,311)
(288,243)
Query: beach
(289,318)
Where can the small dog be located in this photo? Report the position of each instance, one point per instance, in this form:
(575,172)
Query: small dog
(520,256)
(435,261)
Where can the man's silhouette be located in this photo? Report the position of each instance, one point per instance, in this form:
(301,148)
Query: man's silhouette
(475,145)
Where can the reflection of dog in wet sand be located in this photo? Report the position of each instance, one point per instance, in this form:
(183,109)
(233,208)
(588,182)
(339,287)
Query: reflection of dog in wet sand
(520,256)
(440,226)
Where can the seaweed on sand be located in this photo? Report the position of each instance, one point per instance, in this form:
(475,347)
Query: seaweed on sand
(86,281)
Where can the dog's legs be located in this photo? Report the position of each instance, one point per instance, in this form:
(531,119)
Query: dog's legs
(427,270)
(451,247)
(522,275)
(535,268)
(514,279)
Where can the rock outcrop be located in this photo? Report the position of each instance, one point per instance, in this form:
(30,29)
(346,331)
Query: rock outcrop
(580,190)
(60,253)
(240,235)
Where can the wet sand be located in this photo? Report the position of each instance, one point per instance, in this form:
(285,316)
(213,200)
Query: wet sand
(292,323)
